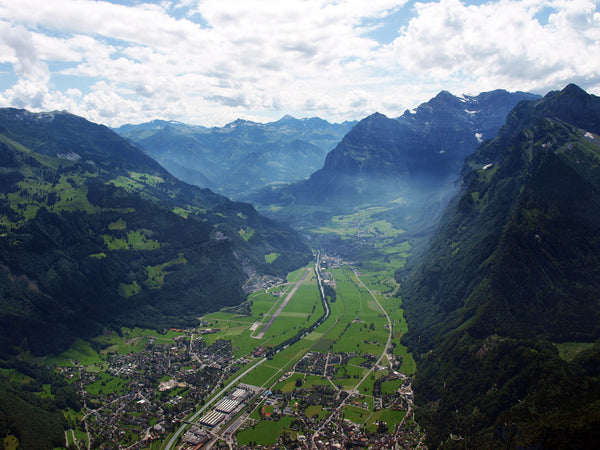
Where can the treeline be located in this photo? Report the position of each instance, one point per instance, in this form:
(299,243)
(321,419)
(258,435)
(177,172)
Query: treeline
(330,293)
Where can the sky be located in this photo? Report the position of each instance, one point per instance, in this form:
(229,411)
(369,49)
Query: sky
(209,62)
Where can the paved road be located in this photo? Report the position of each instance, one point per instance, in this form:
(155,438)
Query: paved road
(389,341)
(355,392)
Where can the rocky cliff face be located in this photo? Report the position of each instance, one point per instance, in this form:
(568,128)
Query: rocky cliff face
(431,141)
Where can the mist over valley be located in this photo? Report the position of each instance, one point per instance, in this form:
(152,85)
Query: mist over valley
(299,225)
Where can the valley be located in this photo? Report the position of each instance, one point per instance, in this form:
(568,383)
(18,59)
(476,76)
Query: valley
(299,225)
(141,312)
(308,367)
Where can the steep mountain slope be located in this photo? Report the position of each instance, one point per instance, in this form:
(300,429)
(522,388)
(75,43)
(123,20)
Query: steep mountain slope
(430,141)
(412,160)
(512,275)
(93,232)
(243,155)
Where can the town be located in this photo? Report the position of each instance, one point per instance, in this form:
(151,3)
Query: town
(287,387)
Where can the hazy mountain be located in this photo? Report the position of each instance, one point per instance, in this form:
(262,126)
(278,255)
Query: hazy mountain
(512,277)
(94,232)
(243,155)
(413,156)
(430,141)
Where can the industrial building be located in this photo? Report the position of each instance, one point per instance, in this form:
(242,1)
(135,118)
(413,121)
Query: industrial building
(239,394)
(227,405)
(211,418)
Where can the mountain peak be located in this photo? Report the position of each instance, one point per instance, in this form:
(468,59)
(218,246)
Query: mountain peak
(287,118)
(240,123)
(573,89)
(376,115)
(446,98)
(572,105)
(444,94)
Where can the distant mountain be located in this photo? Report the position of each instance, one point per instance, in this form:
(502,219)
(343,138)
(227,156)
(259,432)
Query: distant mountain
(242,156)
(94,233)
(415,154)
(430,141)
(512,278)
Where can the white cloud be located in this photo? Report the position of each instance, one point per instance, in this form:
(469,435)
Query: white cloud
(28,93)
(223,59)
(501,43)
(23,53)
(144,23)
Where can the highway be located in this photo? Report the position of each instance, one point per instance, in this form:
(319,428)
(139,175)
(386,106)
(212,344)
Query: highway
(219,394)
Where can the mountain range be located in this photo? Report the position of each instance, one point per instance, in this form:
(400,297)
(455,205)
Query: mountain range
(415,156)
(242,156)
(94,233)
(510,280)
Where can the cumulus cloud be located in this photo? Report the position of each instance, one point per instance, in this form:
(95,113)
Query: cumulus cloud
(25,56)
(501,43)
(28,93)
(210,61)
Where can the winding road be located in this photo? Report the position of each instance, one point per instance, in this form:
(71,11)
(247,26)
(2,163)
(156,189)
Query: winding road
(391,330)
(354,392)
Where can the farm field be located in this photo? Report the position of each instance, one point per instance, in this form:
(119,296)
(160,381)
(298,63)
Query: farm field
(362,318)
(312,356)
(302,310)
(357,326)
(264,433)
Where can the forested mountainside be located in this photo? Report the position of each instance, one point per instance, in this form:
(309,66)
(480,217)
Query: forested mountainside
(510,282)
(94,233)
(242,156)
(415,157)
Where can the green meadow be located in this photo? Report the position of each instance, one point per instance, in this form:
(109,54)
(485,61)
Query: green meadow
(246,233)
(80,353)
(264,433)
(362,223)
(302,310)
(568,350)
(68,193)
(391,417)
(272,257)
(355,414)
(106,384)
(357,324)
